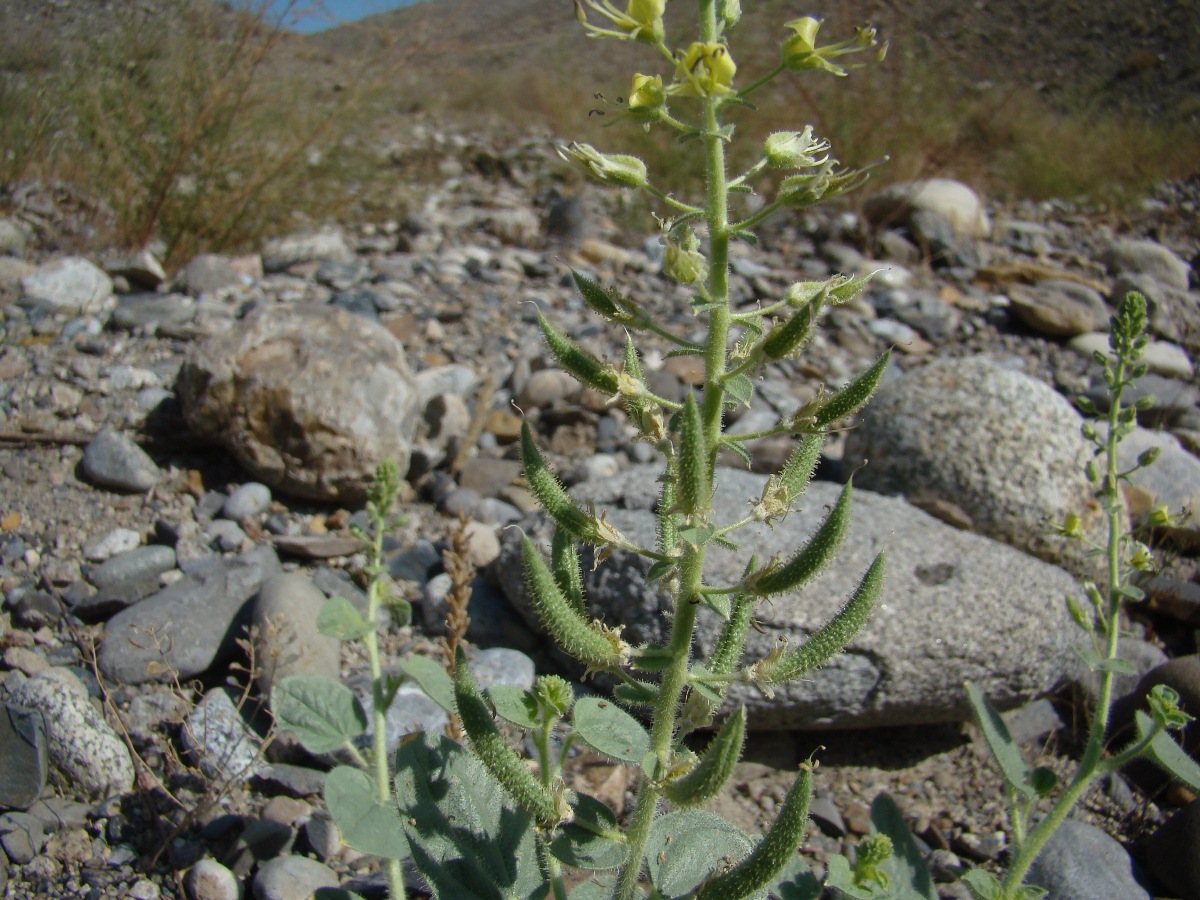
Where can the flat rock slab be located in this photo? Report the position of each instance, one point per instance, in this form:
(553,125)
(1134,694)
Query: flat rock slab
(955,607)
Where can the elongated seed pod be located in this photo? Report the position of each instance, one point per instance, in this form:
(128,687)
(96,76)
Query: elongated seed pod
(693,461)
(635,406)
(774,851)
(837,632)
(708,776)
(819,550)
(787,336)
(732,641)
(851,288)
(597,298)
(564,562)
(590,643)
(501,760)
(545,486)
(853,396)
(668,533)
(576,361)
(797,472)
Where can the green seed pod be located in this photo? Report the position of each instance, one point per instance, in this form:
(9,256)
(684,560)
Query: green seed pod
(837,632)
(693,461)
(732,641)
(797,472)
(816,553)
(668,533)
(709,775)
(853,396)
(564,562)
(774,851)
(786,337)
(545,486)
(597,298)
(548,807)
(589,642)
(576,361)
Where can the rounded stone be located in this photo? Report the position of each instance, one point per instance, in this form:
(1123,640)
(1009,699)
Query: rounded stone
(285,617)
(250,499)
(292,878)
(113,460)
(1081,862)
(209,880)
(1003,446)
(1173,852)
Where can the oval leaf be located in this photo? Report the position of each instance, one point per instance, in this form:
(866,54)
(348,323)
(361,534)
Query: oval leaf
(609,730)
(432,678)
(1004,749)
(514,704)
(688,844)
(593,840)
(323,714)
(1169,755)
(339,619)
(367,824)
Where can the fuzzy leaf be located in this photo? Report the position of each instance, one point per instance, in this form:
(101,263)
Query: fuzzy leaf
(983,885)
(1097,663)
(367,824)
(609,730)
(688,844)
(740,389)
(466,838)
(431,677)
(1008,756)
(339,619)
(910,878)
(796,882)
(514,704)
(323,714)
(593,840)
(1169,756)
(594,889)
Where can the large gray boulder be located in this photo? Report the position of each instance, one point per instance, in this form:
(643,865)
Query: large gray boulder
(1003,446)
(955,606)
(310,399)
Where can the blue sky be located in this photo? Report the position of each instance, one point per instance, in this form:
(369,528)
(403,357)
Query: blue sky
(322,14)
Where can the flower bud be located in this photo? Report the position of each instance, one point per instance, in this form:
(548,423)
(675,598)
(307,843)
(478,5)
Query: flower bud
(684,262)
(1159,515)
(1140,558)
(641,21)
(612,168)
(647,99)
(704,70)
(798,191)
(729,12)
(795,149)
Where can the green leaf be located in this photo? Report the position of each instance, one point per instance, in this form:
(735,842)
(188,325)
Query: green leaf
(1169,756)
(796,882)
(659,569)
(432,678)
(593,840)
(367,824)
(983,885)
(686,845)
(1043,780)
(839,875)
(740,388)
(514,704)
(466,838)
(698,535)
(595,889)
(1004,749)
(335,894)
(1096,663)
(322,713)
(609,730)
(721,604)
(339,619)
(742,452)
(909,876)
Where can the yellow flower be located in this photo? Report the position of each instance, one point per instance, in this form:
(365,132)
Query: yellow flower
(704,70)
(647,99)
(795,149)
(611,168)
(800,51)
(641,20)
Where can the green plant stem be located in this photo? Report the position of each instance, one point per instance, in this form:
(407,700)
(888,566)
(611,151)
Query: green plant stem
(745,92)
(383,776)
(1090,763)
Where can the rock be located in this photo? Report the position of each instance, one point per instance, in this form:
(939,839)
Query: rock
(208,273)
(1058,309)
(1003,446)
(1173,852)
(141,269)
(323,836)
(24,749)
(186,627)
(114,461)
(899,669)
(247,501)
(292,878)
(309,399)
(1173,479)
(950,200)
(317,546)
(1181,674)
(547,387)
(1147,258)
(220,741)
(152,312)
(1081,862)
(483,547)
(73,286)
(13,237)
(142,563)
(21,836)
(209,880)
(88,759)
(455,379)
(322,246)
(152,708)
(411,712)
(502,665)
(112,543)
(285,615)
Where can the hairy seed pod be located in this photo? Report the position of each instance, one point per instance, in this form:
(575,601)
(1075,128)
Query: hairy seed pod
(786,337)
(597,298)
(837,632)
(693,461)
(797,472)
(774,851)
(589,642)
(709,775)
(564,562)
(502,762)
(819,550)
(632,370)
(668,533)
(732,641)
(576,361)
(853,396)
(545,486)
